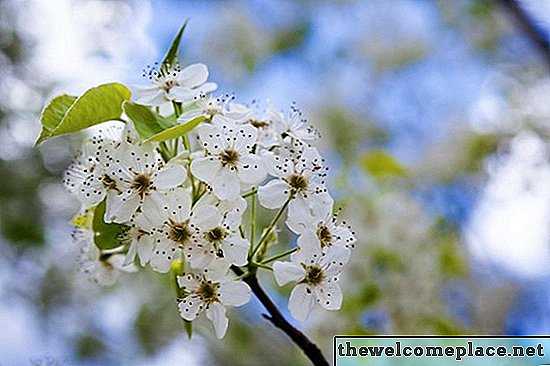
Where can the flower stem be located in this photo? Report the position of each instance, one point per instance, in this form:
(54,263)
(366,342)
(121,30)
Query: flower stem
(276,318)
(249,193)
(253,218)
(269,229)
(261,265)
(278,256)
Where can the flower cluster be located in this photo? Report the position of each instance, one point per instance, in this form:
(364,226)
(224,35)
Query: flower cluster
(186,204)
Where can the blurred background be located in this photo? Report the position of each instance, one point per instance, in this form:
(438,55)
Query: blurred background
(435,118)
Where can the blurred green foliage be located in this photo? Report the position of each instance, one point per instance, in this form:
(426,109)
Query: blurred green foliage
(381,165)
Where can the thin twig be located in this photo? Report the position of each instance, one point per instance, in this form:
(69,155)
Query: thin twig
(276,318)
(529,26)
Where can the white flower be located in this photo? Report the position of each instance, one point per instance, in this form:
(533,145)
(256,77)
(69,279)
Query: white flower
(211,294)
(223,241)
(316,276)
(178,227)
(209,106)
(174,84)
(141,240)
(101,268)
(318,229)
(229,161)
(139,174)
(300,177)
(87,177)
(294,125)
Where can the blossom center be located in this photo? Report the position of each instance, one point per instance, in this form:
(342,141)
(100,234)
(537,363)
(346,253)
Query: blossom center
(179,231)
(142,183)
(108,182)
(169,84)
(314,275)
(208,291)
(259,123)
(212,111)
(217,234)
(324,235)
(298,182)
(229,157)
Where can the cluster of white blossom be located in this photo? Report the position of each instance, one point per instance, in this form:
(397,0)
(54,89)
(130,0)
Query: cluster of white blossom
(189,207)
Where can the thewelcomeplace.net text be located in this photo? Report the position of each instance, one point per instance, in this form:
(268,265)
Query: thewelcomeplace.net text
(457,352)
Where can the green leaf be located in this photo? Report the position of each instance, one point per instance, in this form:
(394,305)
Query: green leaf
(66,114)
(147,122)
(177,130)
(106,236)
(380,164)
(53,113)
(171,57)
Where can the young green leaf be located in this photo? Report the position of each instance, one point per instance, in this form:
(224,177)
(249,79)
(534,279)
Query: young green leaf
(171,57)
(53,113)
(147,122)
(66,114)
(106,236)
(177,130)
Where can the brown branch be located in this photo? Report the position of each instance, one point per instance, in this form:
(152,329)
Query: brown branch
(276,318)
(534,32)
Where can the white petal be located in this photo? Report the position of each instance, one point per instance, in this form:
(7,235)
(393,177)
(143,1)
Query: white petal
(199,256)
(145,248)
(207,88)
(206,216)
(217,269)
(300,219)
(149,96)
(190,307)
(343,237)
(301,302)
(226,185)
(175,204)
(181,93)
(152,214)
(117,262)
(189,115)
(334,259)
(142,221)
(329,295)
(211,138)
(299,204)
(251,169)
(193,75)
(164,252)
(188,282)
(286,272)
(246,136)
(121,207)
(233,212)
(276,166)
(235,249)
(206,168)
(169,177)
(91,191)
(308,241)
(273,194)
(131,255)
(234,293)
(216,313)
